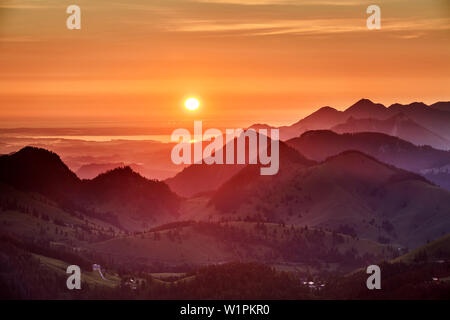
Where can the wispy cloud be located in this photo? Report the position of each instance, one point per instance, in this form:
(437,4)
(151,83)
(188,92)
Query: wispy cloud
(270,17)
(223,17)
(310,26)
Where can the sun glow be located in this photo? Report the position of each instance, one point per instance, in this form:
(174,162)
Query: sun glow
(192,104)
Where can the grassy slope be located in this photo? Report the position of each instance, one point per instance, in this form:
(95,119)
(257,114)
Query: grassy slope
(31,224)
(438,249)
(89,277)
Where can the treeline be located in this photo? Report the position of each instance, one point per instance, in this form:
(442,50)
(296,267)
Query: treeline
(235,281)
(226,281)
(294,244)
(43,248)
(424,281)
(62,229)
(23,276)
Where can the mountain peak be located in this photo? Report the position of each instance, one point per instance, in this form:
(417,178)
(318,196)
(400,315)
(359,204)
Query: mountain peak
(365,108)
(37,169)
(36,152)
(364,101)
(33,158)
(122,187)
(398,107)
(258,126)
(326,109)
(120,173)
(418,105)
(366,104)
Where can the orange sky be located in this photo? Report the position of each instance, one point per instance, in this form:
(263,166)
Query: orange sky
(273,61)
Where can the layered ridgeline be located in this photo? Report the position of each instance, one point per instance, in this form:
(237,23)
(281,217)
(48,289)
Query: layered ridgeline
(351,193)
(399,126)
(204,178)
(342,213)
(119,195)
(416,122)
(85,224)
(431,163)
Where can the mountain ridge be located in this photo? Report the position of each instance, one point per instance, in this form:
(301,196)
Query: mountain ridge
(435,118)
(120,191)
(347,190)
(320,144)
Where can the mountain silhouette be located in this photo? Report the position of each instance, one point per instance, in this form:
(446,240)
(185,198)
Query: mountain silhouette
(324,118)
(130,196)
(399,125)
(321,144)
(349,191)
(228,198)
(365,108)
(39,170)
(442,106)
(92,170)
(434,119)
(120,192)
(200,178)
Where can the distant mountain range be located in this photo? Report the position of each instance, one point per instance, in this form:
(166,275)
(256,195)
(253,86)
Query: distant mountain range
(350,191)
(416,122)
(398,126)
(321,144)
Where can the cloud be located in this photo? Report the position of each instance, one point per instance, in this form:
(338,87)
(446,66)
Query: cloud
(222,17)
(308,26)
(270,17)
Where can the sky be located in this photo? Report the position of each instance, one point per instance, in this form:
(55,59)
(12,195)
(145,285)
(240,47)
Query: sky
(134,62)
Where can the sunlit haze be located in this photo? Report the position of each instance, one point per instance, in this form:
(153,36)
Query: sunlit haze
(272,61)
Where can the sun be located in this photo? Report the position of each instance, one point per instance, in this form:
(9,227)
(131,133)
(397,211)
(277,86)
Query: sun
(192,104)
